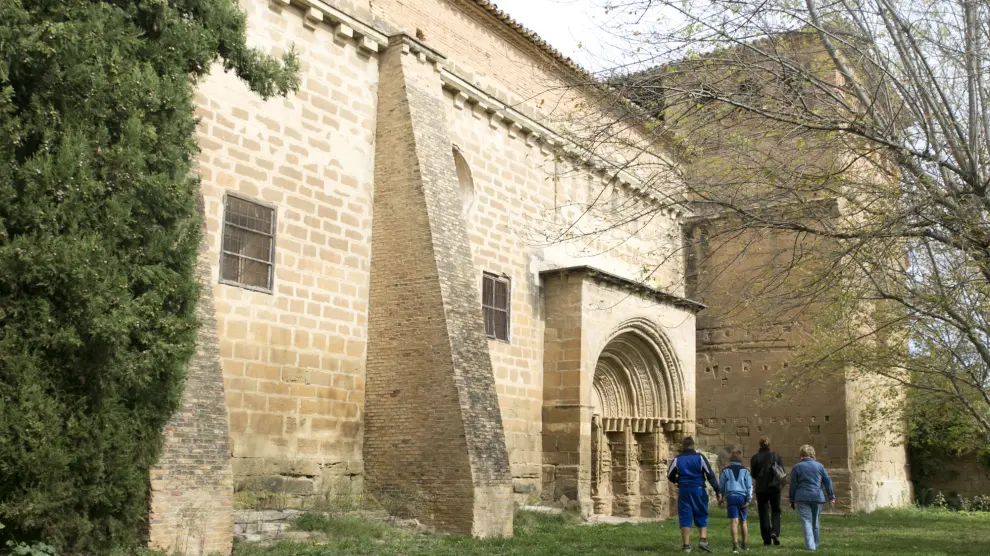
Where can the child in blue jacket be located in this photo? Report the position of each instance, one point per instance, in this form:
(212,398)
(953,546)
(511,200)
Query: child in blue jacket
(689,471)
(736,485)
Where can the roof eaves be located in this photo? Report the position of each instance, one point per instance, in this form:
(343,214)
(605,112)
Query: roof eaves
(529,35)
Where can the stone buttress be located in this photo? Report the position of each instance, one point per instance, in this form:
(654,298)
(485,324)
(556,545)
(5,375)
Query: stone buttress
(434,441)
(192,486)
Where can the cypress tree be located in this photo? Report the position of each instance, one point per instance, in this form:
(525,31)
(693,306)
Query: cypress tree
(98,239)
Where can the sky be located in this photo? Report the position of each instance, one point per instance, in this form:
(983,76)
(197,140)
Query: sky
(584,31)
(565,24)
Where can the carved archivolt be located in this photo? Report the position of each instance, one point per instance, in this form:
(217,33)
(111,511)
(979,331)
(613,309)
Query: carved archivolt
(638,380)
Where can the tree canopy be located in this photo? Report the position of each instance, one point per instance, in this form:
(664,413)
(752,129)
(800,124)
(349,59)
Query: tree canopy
(857,134)
(99,232)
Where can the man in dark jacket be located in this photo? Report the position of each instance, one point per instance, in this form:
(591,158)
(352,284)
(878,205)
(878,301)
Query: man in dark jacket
(688,471)
(767,489)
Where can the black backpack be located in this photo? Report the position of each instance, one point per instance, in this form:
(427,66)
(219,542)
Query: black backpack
(778,475)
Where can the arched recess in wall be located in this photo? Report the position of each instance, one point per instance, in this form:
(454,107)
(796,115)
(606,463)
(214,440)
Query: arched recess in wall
(464,181)
(638,375)
(637,399)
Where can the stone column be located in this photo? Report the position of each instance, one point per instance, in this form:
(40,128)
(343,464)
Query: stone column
(433,428)
(653,478)
(601,469)
(626,473)
(192,486)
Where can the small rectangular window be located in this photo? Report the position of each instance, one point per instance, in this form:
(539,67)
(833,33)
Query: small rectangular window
(247,255)
(495,304)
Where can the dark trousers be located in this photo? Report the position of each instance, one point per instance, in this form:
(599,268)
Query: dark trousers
(769,506)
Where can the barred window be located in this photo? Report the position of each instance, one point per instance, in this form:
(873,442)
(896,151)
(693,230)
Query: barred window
(248,252)
(495,304)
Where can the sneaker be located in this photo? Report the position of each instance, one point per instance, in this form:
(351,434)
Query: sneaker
(704,546)
(776,541)
(735,548)
(686,548)
(745,547)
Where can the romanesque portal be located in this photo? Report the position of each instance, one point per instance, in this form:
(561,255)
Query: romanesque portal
(636,402)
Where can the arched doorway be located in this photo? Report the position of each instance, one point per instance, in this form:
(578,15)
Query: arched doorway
(637,409)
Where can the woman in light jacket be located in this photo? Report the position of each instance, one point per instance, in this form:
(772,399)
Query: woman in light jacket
(810,485)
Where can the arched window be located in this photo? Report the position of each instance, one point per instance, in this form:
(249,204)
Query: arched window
(464,181)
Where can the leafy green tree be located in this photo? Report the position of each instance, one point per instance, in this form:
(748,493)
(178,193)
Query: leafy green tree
(99,231)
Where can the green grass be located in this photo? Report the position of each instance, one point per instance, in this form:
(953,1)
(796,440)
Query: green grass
(345,527)
(887,532)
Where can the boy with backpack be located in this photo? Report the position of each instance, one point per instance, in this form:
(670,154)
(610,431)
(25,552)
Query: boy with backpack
(736,485)
(769,475)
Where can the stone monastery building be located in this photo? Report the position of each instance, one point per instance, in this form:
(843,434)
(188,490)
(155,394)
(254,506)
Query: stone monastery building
(388,305)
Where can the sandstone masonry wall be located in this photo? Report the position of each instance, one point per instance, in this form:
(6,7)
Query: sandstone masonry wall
(584,313)
(566,467)
(487,55)
(965,476)
(744,352)
(433,427)
(191,484)
(293,359)
(520,186)
(879,469)
(480,48)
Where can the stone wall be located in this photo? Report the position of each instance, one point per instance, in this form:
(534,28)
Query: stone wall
(566,470)
(879,469)
(520,189)
(191,484)
(964,476)
(746,340)
(293,358)
(734,382)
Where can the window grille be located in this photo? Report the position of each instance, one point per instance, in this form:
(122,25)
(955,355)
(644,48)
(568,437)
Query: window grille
(248,252)
(495,304)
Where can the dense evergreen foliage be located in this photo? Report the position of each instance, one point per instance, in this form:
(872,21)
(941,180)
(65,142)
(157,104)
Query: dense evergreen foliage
(98,239)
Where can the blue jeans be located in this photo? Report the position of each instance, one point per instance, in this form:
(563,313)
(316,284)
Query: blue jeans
(810,512)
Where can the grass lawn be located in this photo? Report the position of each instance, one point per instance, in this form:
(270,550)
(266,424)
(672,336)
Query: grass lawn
(883,532)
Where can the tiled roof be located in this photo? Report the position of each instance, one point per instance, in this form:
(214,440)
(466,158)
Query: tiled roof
(529,35)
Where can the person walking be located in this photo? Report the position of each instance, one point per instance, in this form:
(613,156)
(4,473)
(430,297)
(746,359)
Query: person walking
(688,471)
(736,485)
(810,484)
(767,487)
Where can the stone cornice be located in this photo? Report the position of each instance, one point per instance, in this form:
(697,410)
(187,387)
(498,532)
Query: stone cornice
(370,39)
(416,47)
(345,26)
(632,286)
(489,107)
